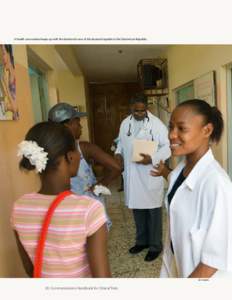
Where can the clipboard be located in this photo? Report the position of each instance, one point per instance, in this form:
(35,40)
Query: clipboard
(143,146)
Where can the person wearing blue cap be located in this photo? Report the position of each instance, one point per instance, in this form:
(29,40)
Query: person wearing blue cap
(85,181)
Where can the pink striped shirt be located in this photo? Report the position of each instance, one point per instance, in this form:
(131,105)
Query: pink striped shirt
(74,220)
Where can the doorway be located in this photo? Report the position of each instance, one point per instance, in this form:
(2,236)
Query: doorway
(110,105)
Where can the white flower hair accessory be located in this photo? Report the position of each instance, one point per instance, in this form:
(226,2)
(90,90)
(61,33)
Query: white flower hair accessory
(36,154)
(100,189)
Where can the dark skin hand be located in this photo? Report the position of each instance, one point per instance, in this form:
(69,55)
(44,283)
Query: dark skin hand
(95,153)
(160,170)
(146,159)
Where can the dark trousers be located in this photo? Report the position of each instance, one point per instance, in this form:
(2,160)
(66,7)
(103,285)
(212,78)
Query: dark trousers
(148,224)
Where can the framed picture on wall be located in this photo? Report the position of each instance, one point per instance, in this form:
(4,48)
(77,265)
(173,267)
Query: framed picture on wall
(205,88)
(184,92)
(8,103)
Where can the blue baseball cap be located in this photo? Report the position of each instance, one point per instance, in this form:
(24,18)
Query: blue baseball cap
(63,112)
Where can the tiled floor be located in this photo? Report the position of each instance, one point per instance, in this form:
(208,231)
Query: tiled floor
(121,238)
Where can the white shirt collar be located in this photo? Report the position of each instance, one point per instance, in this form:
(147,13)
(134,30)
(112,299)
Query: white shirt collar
(200,166)
(193,176)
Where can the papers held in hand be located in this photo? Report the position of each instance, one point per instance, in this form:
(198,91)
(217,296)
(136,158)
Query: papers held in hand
(143,146)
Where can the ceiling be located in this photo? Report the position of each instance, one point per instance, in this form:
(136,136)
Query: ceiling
(114,63)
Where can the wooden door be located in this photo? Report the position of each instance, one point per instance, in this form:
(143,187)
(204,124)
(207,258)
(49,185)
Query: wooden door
(110,105)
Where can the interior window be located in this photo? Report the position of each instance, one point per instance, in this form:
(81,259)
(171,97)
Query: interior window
(39,93)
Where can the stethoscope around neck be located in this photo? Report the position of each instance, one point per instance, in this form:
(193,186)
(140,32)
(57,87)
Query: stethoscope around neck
(129,133)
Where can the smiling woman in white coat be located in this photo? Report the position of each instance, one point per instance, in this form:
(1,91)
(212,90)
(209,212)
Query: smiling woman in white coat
(199,203)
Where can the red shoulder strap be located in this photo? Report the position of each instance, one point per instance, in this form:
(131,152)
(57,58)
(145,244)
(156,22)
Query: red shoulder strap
(38,261)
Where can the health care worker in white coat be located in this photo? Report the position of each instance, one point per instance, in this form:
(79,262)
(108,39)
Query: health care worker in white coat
(143,193)
(199,198)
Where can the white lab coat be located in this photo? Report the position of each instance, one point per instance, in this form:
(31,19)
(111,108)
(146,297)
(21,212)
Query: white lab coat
(142,191)
(200,220)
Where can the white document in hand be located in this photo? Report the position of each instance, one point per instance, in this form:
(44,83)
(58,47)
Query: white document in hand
(143,146)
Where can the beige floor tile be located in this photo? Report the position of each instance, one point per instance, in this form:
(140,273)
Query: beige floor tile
(121,238)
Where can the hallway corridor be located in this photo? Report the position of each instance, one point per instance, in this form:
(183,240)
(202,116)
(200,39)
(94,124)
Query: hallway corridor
(121,238)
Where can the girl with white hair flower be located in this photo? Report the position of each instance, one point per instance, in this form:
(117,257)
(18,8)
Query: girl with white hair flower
(75,243)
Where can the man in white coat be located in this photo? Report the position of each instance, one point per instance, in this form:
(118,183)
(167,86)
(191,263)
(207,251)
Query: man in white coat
(143,193)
